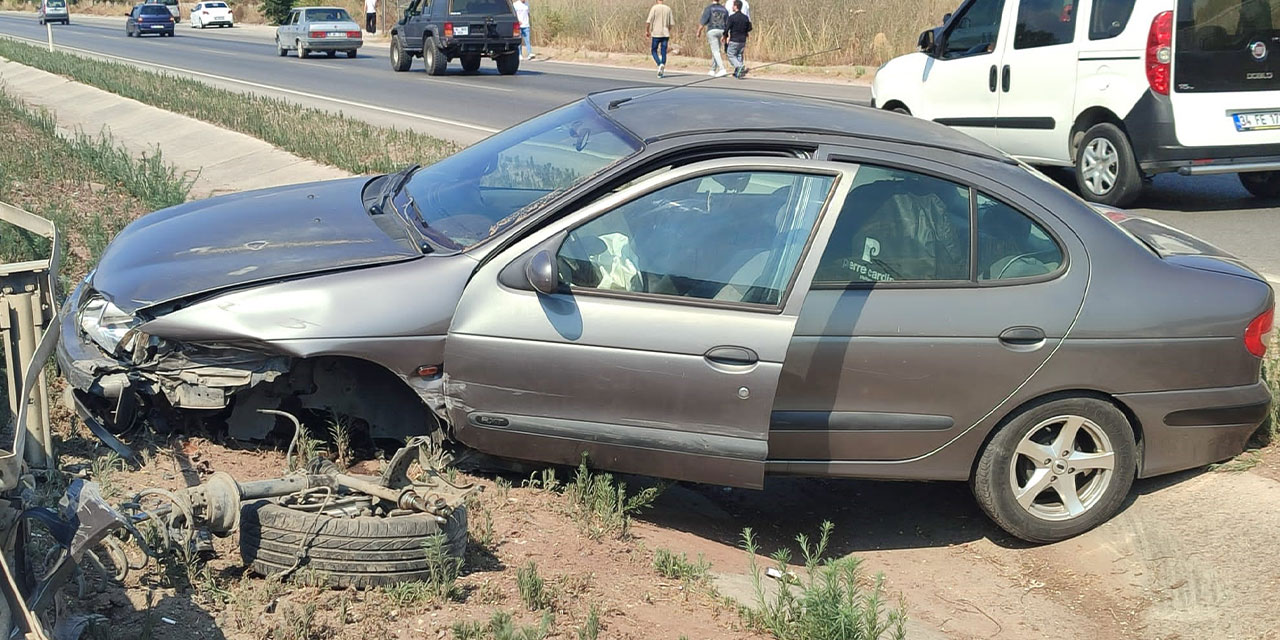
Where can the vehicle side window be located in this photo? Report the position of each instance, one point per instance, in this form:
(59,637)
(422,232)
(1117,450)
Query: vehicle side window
(1044,23)
(974,31)
(733,237)
(1012,245)
(897,226)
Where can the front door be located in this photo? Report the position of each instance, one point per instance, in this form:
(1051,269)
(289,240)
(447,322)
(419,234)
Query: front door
(960,82)
(661,350)
(1037,82)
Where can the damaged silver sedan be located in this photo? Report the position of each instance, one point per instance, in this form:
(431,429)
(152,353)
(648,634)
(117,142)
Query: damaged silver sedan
(810,289)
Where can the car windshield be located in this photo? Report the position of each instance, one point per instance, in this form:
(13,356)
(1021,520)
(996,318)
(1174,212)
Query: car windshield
(476,193)
(328,15)
(479,6)
(154,10)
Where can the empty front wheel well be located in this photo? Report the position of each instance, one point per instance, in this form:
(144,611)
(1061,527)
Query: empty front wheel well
(1087,119)
(1134,423)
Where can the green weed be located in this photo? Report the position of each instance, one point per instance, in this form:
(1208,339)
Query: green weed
(677,566)
(600,505)
(590,629)
(502,626)
(533,589)
(441,583)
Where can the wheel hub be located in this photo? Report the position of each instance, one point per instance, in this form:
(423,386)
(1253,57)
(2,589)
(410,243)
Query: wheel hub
(1061,468)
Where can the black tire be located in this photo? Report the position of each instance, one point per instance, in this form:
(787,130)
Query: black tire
(358,552)
(509,64)
(900,109)
(400,61)
(301,50)
(1107,173)
(434,59)
(331,54)
(281,50)
(128,33)
(351,53)
(471,64)
(1262,184)
(1000,461)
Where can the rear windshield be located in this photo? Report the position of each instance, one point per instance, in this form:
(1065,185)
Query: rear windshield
(153,10)
(486,7)
(1227,45)
(215,5)
(55,4)
(328,15)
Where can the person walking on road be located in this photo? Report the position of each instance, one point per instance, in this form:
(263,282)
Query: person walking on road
(522,15)
(658,28)
(736,31)
(371,16)
(714,20)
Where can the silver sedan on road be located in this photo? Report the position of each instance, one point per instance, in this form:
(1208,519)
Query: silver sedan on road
(327,29)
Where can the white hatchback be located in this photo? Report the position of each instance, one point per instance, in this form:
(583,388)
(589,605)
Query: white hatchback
(213,13)
(1118,89)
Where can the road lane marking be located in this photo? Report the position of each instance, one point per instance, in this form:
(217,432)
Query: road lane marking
(264,87)
(471,86)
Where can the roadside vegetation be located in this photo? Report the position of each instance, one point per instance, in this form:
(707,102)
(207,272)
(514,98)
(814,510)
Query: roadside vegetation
(333,139)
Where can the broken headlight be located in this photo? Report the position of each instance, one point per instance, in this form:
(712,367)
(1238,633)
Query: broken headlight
(105,323)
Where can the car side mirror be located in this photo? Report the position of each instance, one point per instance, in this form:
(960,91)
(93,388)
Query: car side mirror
(946,17)
(541,272)
(925,43)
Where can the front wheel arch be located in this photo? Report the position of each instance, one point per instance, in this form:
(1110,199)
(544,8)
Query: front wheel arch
(897,106)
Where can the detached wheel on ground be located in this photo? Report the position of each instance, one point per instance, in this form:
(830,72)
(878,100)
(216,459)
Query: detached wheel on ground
(471,64)
(1057,469)
(400,61)
(361,552)
(509,64)
(1263,184)
(1106,170)
(434,59)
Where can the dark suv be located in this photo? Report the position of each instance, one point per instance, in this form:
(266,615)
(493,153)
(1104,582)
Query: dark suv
(468,30)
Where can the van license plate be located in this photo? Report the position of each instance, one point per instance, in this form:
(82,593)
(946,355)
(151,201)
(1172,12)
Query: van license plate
(1257,121)
(462,31)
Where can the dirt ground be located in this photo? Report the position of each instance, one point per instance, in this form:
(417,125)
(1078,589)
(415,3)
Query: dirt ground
(1190,557)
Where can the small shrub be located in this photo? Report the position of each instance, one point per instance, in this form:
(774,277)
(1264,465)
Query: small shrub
(533,589)
(590,629)
(677,566)
(829,602)
(502,627)
(601,506)
(544,480)
(275,11)
(340,433)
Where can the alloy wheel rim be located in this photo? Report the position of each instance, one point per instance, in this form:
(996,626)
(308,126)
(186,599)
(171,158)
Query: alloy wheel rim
(1100,166)
(1062,468)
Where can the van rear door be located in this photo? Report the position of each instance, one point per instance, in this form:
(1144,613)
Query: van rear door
(1226,72)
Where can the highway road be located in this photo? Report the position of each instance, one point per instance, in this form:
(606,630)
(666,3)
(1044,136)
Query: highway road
(467,108)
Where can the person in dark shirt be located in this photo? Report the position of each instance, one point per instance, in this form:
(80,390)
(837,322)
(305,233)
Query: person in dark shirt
(739,25)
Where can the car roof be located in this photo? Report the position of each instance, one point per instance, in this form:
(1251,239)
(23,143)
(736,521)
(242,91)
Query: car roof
(309,8)
(656,114)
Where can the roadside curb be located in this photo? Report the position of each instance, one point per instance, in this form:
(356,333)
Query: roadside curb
(219,161)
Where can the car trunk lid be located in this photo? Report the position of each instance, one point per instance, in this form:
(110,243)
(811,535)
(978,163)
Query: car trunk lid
(1179,247)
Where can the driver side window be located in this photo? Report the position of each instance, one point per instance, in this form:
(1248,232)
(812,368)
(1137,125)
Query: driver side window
(974,31)
(732,237)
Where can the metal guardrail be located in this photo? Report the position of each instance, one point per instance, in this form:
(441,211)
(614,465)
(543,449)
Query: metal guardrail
(28,327)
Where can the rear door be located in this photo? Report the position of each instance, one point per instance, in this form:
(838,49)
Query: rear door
(960,84)
(661,352)
(1226,72)
(481,19)
(1037,82)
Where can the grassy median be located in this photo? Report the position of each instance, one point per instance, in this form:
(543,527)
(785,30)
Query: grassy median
(328,138)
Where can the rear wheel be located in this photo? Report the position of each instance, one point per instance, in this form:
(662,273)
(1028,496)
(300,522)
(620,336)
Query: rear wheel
(351,53)
(331,54)
(434,58)
(301,50)
(471,64)
(1263,184)
(400,61)
(1106,170)
(281,50)
(509,64)
(1057,469)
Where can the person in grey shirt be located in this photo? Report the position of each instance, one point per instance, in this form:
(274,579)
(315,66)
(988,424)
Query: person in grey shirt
(714,20)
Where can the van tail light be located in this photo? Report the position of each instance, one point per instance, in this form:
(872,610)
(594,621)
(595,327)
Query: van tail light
(448,29)
(353,34)
(318,34)
(1258,333)
(1160,52)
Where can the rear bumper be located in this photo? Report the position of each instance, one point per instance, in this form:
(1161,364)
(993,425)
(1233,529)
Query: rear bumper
(334,44)
(1155,143)
(1186,429)
(456,47)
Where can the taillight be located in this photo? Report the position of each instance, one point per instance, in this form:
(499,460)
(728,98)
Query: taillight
(353,34)
(318,34)
(448,29)
(1258,333)
(515,30)
(1160,52)
(204,13)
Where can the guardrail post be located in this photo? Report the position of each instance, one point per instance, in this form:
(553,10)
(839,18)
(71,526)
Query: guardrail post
(49,28)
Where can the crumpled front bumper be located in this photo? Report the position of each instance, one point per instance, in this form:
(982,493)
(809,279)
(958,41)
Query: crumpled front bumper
(87,369)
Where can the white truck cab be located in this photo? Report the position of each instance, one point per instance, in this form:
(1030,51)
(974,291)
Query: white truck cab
(1119,89)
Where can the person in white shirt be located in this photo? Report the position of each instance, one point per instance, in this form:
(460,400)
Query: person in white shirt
(522,15)
(371,16)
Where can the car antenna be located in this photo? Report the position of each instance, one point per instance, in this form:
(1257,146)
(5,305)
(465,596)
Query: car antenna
(614,104)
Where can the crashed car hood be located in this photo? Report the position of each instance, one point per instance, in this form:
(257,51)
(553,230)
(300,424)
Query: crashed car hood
(228,241)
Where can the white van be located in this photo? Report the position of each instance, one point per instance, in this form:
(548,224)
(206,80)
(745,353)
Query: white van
(1119,89)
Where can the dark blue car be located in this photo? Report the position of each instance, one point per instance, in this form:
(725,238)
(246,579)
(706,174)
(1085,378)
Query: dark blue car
(149,18)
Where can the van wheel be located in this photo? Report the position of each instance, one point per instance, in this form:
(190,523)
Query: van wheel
(1263,184)
(434,59)
(400,61)
(1057,469)
(1106,170)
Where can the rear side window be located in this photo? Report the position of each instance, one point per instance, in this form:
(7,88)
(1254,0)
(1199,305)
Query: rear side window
(1011,245)
(1109,18)
(1044,23)
(897,226)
